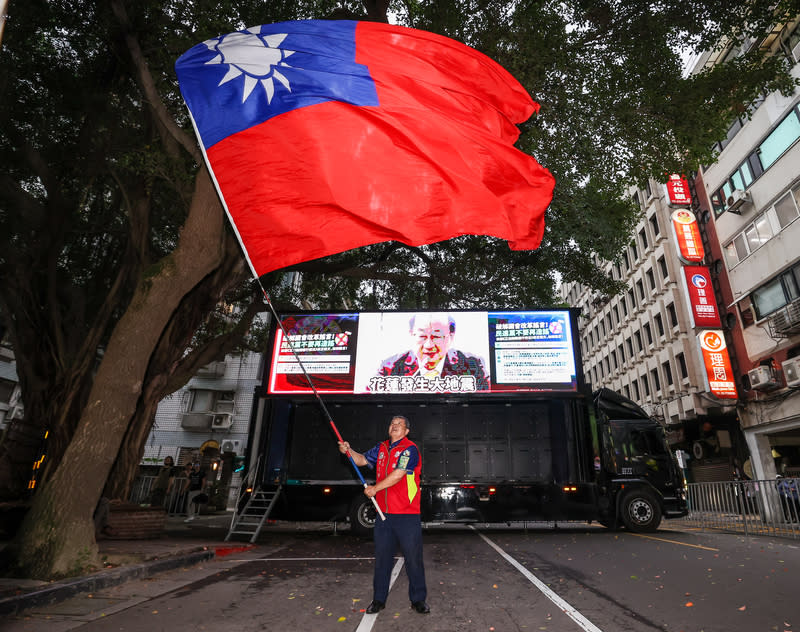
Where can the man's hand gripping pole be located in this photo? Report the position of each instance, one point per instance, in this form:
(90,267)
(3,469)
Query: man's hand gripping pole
(355,467)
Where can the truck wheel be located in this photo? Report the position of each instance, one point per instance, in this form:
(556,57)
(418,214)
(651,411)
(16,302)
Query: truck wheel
(362,516)
(640,511)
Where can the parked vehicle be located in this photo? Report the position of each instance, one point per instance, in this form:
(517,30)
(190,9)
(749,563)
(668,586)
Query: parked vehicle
(520,438)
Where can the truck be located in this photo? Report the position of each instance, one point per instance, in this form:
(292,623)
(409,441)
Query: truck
(507,427)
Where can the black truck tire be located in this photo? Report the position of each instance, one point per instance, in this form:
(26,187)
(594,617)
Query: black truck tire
(362,516)
(640,511)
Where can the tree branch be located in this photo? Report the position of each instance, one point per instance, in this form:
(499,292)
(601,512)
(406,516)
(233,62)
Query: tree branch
(169,130)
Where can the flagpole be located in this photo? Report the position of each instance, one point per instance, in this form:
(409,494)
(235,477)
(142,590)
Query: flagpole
(272,309)
(317,395)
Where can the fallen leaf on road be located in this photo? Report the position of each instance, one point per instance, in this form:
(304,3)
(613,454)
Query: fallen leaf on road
(743,608)
(689,604)
(340,619)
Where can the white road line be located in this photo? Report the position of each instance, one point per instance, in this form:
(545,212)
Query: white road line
(571,612)
(304,559)
(369,619)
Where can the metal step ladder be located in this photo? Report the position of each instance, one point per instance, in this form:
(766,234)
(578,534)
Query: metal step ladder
(251,519)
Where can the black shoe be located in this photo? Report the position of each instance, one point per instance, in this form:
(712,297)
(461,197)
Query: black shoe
(375,607)
(421,607)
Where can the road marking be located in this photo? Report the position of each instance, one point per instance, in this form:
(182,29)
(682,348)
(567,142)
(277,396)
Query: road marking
(571,612)
(304,559)
(694,546)
(369,619)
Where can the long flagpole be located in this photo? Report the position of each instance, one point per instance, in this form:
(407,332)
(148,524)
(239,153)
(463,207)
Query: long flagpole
(272,309)
(316,394)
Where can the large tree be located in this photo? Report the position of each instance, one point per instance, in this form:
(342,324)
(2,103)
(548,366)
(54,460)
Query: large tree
(113,248)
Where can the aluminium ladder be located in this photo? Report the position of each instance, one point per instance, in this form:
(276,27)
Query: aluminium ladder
(254,514)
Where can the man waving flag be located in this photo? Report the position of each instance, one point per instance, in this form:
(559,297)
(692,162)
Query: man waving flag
(324,136)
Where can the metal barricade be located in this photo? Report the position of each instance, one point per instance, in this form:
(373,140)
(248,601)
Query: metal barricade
(175,500)
(767,507)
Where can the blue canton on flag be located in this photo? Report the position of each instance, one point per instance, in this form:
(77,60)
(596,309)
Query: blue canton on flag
(235,81)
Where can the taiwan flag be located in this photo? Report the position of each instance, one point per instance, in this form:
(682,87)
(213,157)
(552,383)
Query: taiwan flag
(324,136)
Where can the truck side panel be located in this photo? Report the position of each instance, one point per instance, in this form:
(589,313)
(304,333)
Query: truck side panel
(523,450)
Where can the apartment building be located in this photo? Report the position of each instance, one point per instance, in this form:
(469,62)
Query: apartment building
(643,343)
(752,193)
(210,415)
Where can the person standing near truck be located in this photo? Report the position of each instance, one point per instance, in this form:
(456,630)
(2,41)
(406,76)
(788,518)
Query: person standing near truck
(397,466)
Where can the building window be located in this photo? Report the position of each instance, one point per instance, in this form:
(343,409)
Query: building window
(781,138)
(682,366)
(643,237)
(630,347)
(615,311)
(645,386)
(673,315)
(621,351)
(648,335)
(638,338)
(654,224)
(776,293)
(205,401)
(640,288)
(656,381)
(634,250)
(662,265)
(651,280)
(635,385)
(659,325)
(632,299)
(765,155)
(667,373)
(627,391)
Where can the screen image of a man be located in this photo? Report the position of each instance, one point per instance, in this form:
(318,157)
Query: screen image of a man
(432,353)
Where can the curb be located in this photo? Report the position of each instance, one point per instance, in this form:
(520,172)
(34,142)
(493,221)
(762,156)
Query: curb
(105,579)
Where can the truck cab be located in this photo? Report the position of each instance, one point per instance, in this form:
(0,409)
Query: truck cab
(638,470)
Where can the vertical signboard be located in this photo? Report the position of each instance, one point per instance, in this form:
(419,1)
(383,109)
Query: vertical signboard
(678,190)
(687,236)
(717,363)
(702,305)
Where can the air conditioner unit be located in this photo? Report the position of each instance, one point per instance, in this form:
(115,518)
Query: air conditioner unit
(229,445)
(762,378)
(221,421)
(791,371)
(736,200)
(786,321)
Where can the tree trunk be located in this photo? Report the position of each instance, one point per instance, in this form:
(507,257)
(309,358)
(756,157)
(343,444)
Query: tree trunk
(57,535)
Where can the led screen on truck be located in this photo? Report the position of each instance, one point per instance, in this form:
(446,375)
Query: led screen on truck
(414,353)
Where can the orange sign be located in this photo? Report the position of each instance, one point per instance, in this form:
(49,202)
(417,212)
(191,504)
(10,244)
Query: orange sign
(687,233)
(719,373)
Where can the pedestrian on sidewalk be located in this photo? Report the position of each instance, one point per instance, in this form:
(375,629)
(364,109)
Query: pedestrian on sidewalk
(163,483)
(195,485)
(397,464)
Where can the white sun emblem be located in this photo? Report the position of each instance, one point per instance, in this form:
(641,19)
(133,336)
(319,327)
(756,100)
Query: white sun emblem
(254,56)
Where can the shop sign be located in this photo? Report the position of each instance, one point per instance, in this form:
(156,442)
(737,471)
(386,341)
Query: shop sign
(687,235)
(717,363)
(678,190)
(697,283)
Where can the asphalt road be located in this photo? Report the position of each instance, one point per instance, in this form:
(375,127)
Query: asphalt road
(577,579)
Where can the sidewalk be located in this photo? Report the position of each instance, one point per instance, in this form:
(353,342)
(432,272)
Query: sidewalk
(182,544)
